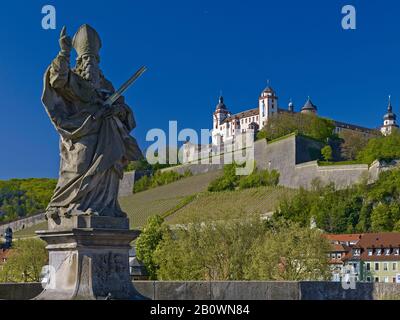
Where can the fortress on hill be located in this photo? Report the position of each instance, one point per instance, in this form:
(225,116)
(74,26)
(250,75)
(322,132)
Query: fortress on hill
(295,157)
(227,125)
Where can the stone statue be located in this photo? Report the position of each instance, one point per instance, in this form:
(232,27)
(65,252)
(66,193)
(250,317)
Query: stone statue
(88,236)
(95,144)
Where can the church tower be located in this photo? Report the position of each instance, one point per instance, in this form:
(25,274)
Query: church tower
(267,105)
(389,120)
(220,114)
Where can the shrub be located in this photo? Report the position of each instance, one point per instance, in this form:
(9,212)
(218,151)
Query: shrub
(147,243)
(158,179)
(259,179)
(327,153)
(230,181)
(142,184)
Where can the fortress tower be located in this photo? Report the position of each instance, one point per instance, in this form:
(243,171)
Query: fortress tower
(267,105)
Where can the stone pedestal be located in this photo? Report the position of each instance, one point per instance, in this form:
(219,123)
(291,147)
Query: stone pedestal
(89,259)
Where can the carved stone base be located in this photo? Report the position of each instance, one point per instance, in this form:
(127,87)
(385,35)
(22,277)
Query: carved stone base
(89,263)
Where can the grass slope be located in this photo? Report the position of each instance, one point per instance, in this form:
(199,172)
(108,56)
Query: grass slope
(30,231)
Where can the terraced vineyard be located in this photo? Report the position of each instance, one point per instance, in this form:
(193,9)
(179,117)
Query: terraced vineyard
(230,204)
(164,199)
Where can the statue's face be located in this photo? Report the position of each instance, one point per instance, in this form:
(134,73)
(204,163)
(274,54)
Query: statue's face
(89,69)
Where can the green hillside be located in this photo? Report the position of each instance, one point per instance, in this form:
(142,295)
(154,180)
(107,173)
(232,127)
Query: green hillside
(188,200)
(230,204)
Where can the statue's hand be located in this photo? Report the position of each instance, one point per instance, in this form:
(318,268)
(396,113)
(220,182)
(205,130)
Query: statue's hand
(119,110)
(116,110)
(65,42)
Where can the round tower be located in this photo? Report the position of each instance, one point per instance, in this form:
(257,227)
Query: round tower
(267,105)
(309,107)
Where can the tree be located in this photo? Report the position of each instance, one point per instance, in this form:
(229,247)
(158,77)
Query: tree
(147,243)
(381,148)
(327,153)
(208,251)
(25,262)
(352,143)
(243,249)
(291,253)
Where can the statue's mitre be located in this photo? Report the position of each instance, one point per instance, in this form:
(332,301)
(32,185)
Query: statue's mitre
(86,41)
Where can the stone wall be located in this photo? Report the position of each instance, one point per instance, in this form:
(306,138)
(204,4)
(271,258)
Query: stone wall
(294,158)
(265,290)
(235,290)
(19,291)
(22,223)
(128,181)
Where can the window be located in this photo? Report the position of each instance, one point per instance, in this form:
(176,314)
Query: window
(386,279)
(378,252)
(387,251)
(357,252)
(394,266)
(385,266)
(368,279)
(339,255)
(376,266)
(394,279)
(376,279)
(396,251)
(370,252)
(368,266)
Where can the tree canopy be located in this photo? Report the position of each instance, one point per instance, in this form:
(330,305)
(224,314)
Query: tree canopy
(309,125)
(25,262)
(24,197)
(381,148)
(242,249)
(360,208)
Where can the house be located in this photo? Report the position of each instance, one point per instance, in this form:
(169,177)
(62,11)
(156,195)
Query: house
(341,245)
(376,257)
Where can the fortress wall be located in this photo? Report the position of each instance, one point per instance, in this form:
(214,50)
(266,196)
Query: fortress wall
(342,176)
(294,157)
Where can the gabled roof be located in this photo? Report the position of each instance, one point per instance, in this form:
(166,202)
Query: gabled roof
(379,240)
(355,237)
(244,114)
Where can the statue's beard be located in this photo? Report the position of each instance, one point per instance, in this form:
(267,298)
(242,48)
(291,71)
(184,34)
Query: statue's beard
(90,72)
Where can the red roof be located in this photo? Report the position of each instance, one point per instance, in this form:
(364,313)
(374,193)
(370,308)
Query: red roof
(380,240)
(383,240)
(344,237)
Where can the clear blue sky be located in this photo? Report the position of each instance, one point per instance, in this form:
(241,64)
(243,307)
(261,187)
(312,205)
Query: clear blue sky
(194,49)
